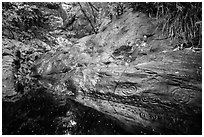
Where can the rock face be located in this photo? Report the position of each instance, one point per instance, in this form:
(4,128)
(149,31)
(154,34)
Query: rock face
(141,82)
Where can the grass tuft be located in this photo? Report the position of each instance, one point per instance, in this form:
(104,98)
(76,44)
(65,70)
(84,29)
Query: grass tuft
(178,20)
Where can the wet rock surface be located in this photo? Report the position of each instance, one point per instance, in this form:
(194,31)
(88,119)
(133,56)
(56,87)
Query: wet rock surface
(150,95)
(140,85)
(159,91)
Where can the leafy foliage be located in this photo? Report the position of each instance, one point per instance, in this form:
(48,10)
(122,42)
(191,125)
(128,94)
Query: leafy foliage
(22,20)
(89,16)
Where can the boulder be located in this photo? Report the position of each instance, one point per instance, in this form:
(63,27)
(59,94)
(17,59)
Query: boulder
(129,72)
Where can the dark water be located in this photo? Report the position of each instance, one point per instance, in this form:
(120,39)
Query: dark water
(41,112)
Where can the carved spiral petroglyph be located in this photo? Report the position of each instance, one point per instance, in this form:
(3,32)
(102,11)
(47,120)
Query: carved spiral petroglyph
(181,95)
(126,89)
(132,88)
(144,115)
(153,99)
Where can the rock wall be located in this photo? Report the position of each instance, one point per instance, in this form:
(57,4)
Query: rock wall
(130,71)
